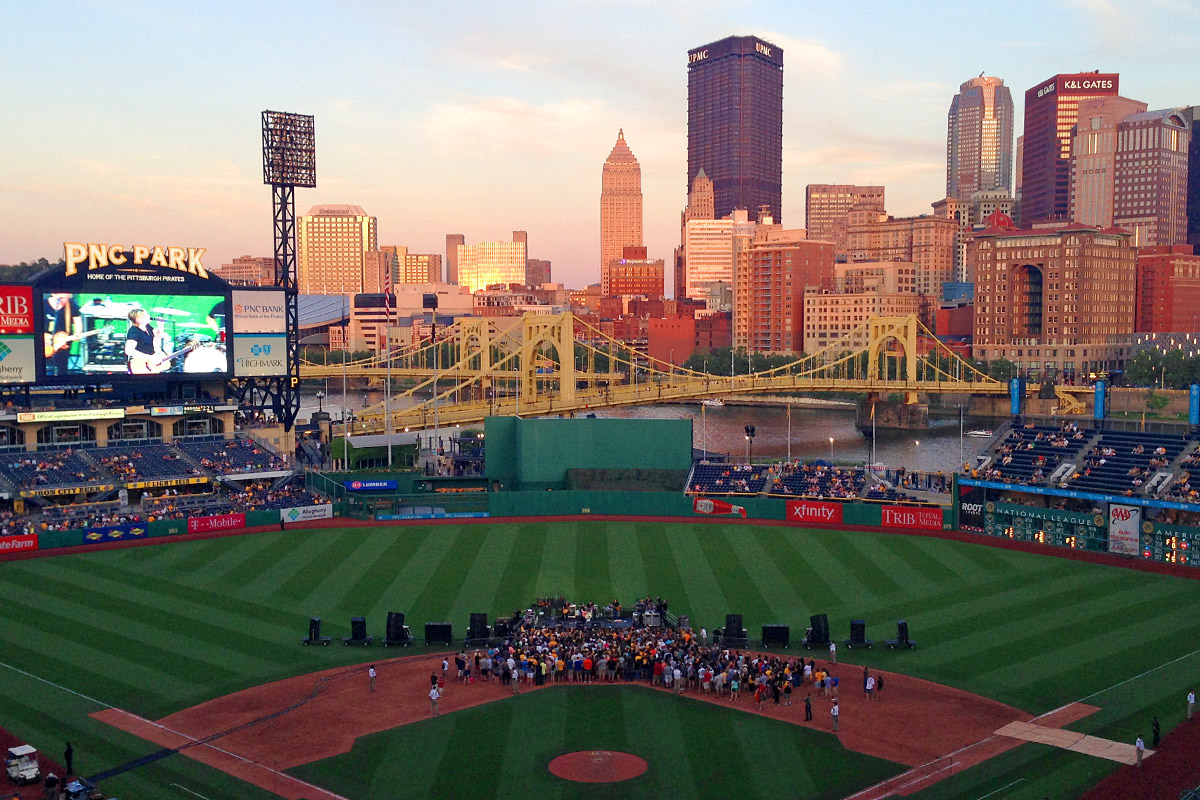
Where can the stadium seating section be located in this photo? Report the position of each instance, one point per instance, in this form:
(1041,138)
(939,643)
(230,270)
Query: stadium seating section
(49,469)
(1131,463)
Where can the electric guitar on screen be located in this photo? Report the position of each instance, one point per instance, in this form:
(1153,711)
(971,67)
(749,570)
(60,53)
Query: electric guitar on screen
(153,365)
(61,340)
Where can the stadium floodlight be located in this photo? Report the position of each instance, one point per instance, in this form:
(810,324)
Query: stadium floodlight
(289,149)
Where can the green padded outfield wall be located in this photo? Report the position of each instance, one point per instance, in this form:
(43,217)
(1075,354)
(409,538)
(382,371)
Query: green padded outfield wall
(536,453)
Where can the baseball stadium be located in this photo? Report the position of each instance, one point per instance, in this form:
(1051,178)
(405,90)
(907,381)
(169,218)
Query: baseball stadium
(491,580)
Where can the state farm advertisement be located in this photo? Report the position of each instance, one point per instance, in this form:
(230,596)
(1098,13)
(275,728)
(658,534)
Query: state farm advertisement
(814,512)
(921,518)
(221,522)
(18,544)
(708,505)
(1124,523)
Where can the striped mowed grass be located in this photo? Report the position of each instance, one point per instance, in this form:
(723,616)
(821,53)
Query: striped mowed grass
(159,628)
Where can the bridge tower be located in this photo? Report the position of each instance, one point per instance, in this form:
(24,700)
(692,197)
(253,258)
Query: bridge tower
(558,332)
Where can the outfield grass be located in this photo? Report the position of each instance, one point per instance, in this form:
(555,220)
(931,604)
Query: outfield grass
(157,629)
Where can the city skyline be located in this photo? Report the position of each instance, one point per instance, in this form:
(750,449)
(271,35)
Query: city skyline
(495,121)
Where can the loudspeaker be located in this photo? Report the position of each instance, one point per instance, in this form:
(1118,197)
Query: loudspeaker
(314,628)
(902,631)
(395,625)
(438,632)
(733,624)
(858,631)
(358,627)
(478,627)
(776,635)
(501,629)
(820,628)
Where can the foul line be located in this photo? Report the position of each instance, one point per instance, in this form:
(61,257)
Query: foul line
(194,742)
(883,784)
(56,685)
(1142,674)
(1001,789)
(189,791)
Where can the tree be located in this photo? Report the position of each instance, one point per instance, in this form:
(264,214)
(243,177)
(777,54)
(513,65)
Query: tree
(1156,402)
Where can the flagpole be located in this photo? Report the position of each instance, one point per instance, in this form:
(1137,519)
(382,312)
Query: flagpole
(387,393)
(872,433)
(789,420)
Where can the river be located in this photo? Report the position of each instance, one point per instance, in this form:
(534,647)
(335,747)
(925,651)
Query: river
(722,430)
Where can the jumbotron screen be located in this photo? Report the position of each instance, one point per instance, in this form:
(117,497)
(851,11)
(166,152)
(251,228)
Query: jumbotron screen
(135,335)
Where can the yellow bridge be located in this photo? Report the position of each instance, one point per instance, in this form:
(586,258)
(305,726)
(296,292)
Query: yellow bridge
(539,365)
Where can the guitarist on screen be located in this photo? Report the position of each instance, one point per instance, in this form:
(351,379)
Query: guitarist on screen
(64,327)
(144,351)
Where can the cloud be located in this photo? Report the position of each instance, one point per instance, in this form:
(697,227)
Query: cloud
(808,56)
(506,125)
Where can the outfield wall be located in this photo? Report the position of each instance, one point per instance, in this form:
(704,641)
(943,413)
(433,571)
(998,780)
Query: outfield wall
(133,532)
(807,513)
(1114,524)
(536,453)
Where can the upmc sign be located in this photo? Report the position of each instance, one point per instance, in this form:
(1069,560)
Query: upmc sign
(922,518)
(814,511)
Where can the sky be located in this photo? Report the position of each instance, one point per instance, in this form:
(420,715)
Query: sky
(140,123)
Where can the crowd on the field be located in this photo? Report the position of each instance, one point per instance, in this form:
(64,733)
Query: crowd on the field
(676,660)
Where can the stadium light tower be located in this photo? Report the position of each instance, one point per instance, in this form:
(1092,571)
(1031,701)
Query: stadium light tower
(289,160)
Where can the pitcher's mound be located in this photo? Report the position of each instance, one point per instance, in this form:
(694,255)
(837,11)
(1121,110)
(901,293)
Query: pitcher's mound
(598,766)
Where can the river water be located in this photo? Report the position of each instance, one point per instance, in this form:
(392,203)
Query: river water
(722,430)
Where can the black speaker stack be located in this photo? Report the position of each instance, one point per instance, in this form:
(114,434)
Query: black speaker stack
(314,633)
(733,634)
(776,636)
(358,632)
(438,632)
(397,632)
(478,627)
(858,634)
(902,639)
(818,630)
(502,628)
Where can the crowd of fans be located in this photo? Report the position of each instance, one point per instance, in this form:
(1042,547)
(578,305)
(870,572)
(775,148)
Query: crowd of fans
(817,480)
(676,660)
(48,468)
(235,456)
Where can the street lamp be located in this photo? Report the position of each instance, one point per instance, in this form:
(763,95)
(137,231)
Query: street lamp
(749,442)
(831,449)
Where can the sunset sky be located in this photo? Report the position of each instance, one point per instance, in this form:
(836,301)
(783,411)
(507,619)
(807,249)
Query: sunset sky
(139,123)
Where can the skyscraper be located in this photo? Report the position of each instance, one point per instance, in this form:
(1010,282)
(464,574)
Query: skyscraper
(1051,112)
(1150,194)
(979,138)
(735,123)
(489,263)
(331,245)
(453,240)
(620,207)
(827,205)
(1094,158)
